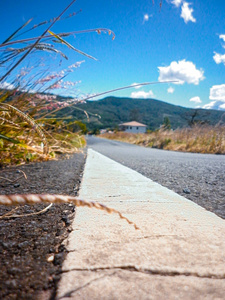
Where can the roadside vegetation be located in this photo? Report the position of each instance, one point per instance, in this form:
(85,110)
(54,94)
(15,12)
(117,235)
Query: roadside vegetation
(30,132)
(30,129)
(35,124)
(198,139)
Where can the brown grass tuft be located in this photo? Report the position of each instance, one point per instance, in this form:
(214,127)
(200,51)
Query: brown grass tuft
(199,139)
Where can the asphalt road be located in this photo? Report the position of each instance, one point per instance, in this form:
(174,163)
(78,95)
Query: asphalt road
(198,177)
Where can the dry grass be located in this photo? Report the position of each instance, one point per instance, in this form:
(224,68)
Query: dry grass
(25,133)
(199,139)
(24,104)
(27,137)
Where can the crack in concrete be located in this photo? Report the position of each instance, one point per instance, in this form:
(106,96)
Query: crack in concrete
(160,236)
(151,271)
(145,237)
(69,294)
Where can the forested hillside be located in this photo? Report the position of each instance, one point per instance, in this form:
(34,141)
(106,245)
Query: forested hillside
(111,111)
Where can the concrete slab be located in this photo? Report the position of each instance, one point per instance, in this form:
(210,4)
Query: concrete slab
(179,253)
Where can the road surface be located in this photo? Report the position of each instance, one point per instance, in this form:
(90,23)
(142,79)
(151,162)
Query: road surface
(176,254)
(198,177)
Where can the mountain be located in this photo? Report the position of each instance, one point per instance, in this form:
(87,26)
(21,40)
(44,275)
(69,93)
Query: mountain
(115,110)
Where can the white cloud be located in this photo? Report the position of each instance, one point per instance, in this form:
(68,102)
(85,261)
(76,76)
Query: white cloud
(186,13)
(217,92)
(6,85)
(222,36)
(196,99)
(177,3)
(219,58)
(142,94)
(217,105)
(181,71)
(136,86)
(146,17)
(170,90)
(222,106)
(210,105)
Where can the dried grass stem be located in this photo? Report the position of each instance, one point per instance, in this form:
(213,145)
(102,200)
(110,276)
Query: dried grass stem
(47,198)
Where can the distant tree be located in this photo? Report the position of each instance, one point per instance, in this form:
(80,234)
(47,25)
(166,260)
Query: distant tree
(195,117)
(166,123)
(95,131)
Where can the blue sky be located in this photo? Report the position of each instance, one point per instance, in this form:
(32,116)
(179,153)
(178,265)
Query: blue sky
(184,41)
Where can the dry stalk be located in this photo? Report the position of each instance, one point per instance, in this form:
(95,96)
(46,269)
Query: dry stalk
(35,43)
(7,179)
(15,180)
(10,122)
(31,122)
(47,198)
(10,214)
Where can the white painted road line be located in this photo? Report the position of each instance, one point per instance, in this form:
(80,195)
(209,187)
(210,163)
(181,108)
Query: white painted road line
(179,253)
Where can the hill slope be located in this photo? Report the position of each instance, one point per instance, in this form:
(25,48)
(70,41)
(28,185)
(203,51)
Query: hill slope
(114,110)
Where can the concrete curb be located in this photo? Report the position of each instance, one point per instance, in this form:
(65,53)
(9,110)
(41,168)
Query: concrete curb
(179,253)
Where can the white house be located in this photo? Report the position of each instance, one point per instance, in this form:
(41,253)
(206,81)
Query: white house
(133,127)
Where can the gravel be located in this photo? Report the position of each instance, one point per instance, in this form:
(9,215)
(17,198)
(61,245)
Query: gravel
(31,250)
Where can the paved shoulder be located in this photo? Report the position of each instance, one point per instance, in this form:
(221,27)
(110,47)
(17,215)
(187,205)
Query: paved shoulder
(177,254)
(198,177)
